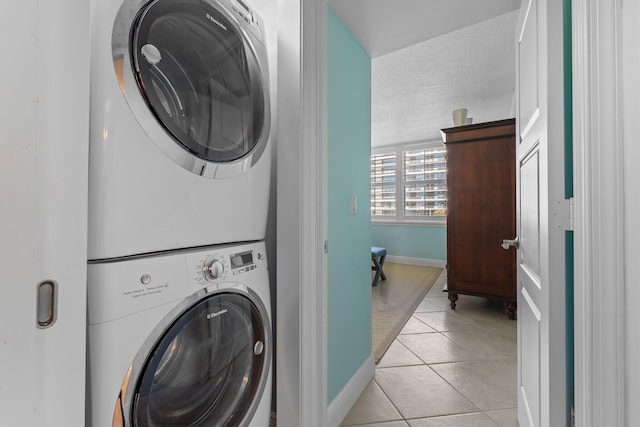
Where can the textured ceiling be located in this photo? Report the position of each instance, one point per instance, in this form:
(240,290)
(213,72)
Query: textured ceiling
(415,89)
(431,57)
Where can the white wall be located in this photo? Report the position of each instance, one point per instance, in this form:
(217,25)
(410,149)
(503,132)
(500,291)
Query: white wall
(631,105)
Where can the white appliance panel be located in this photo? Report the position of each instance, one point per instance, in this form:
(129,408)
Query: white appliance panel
(120,324)
(141,199)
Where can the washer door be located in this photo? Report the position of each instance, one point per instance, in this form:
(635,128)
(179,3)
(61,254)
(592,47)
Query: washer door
(208,368)
(199,82)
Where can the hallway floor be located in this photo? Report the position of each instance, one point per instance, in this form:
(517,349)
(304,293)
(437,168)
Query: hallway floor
(445,369)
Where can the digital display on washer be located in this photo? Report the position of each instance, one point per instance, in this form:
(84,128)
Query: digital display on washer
(241,259)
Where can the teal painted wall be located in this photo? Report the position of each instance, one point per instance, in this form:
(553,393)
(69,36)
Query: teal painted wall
(349,257)
(411,241)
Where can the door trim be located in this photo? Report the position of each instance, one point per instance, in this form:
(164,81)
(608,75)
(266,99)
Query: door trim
(301,341)
(600,397)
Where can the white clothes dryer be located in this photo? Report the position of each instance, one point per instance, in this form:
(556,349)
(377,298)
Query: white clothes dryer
(181,339)
(180,126)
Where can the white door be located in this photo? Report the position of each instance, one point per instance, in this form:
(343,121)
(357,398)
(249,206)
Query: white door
(540,157)
(43,202)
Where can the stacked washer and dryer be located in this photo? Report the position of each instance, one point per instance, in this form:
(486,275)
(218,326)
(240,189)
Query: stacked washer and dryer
(179,311)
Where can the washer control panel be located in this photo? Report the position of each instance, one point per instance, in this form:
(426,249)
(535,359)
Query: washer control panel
(117,289)
(227,263)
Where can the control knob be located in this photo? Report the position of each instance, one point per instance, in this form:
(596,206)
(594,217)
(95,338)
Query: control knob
(212,269)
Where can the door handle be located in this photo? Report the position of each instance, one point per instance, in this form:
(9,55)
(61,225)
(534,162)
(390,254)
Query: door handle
(46,304)
(506,243)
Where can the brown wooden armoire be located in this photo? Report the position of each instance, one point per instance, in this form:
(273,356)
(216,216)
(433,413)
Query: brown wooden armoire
(481,211)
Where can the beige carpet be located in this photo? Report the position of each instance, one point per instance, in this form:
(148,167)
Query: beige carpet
(394,300)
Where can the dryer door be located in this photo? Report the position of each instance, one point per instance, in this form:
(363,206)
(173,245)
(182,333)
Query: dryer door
(208,368)
(200,78)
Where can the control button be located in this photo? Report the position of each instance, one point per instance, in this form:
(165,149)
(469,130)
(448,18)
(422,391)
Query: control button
(145,279)
(212,269)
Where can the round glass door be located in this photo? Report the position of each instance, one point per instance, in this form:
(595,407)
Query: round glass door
(200,77)
(207,368)
(195,75)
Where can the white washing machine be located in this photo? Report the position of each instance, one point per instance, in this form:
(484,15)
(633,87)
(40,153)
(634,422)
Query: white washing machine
(180,126)
(180,339)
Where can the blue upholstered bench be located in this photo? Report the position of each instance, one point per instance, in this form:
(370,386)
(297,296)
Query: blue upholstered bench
(377,257)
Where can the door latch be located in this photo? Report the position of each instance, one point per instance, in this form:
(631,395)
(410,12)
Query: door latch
(506,243)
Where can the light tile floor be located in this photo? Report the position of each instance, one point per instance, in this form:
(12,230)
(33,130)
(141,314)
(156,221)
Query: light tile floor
(445,369)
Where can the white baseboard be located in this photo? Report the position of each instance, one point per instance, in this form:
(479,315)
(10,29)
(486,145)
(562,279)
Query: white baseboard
(344,401)
(416,261)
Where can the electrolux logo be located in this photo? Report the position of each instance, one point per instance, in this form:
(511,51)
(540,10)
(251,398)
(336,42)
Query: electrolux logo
(214,20)
(217,313)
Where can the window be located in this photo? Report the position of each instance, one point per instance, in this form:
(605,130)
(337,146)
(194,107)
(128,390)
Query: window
(383,184)
(409,183)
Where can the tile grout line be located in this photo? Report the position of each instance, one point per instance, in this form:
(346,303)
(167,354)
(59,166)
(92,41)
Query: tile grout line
(390,401)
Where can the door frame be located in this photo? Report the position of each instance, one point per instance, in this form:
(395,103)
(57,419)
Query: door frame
(301,300)
(599,234)
(599,318)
